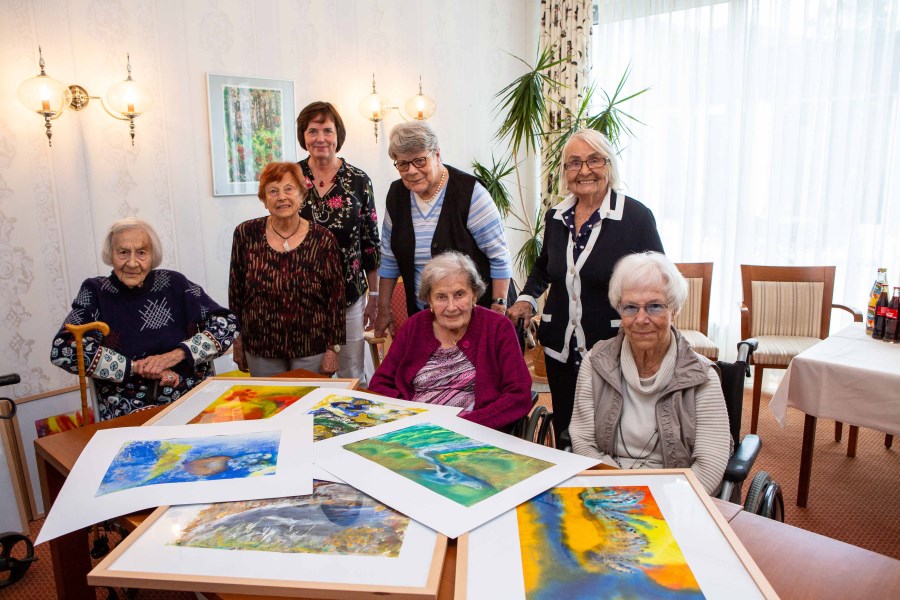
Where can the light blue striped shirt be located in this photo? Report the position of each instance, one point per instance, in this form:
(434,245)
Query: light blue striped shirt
(484,224)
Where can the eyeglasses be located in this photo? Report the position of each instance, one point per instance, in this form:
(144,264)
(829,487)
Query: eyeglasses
(419,162)
(594,162)
(274,192)
(654,309)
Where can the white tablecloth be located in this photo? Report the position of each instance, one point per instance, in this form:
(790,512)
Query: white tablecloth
(847,377)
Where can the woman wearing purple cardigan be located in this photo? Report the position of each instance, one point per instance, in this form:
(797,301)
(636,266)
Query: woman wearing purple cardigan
(456,353)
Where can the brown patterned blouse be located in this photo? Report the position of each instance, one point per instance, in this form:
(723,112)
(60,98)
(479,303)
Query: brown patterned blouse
(289,304)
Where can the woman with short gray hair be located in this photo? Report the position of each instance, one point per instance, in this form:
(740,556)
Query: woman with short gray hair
(645,399)
(431,209)
(164,329)
(457,353)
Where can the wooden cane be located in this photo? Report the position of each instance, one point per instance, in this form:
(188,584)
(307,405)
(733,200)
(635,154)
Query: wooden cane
(78,332)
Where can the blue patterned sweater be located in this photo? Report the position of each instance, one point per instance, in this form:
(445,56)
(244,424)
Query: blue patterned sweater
(168,311)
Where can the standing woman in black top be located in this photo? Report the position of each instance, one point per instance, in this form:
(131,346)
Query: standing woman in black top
(584,236)
(341,199)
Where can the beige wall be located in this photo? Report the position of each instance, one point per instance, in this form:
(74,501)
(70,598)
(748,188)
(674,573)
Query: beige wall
(56,203)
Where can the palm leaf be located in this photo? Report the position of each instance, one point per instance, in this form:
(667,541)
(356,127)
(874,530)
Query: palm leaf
(492,177)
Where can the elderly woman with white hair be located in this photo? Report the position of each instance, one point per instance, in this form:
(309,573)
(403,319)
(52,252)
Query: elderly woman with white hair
(431,209)
(644,398)
(457,353)
(584,235)
(164,330)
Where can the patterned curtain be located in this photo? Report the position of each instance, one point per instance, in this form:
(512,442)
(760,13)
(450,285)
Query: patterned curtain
(566,26)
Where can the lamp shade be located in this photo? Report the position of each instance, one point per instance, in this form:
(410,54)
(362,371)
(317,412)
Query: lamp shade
(44,95)
(127,98)
(374,106)
(419,107)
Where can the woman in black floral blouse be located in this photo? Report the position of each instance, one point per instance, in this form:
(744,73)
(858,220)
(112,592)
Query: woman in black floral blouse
(341,198)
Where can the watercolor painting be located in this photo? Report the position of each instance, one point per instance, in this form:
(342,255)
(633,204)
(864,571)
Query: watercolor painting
(64,422)
(455,466)
(340,414)
(180,460)
(600,542)
(336,519)
(249,402)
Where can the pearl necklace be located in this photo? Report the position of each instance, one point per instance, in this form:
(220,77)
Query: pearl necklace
(438,190)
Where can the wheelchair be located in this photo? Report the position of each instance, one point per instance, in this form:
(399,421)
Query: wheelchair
(764,496)
(16,550)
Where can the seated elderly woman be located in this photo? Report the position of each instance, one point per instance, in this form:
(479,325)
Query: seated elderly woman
(644,398)
(164,329)
(457,353)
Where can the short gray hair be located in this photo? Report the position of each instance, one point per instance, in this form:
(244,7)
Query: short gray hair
(450,264)
(123,225)
(647,270)
(600,144)
(412,137)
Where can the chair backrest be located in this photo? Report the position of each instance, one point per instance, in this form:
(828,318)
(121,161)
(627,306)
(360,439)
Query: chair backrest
(732,376)
(695,312)
(790,301)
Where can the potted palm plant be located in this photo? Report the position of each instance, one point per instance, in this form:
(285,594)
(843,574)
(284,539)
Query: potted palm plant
(526,126)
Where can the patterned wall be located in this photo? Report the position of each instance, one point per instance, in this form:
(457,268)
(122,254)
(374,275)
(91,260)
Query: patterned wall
(56,203)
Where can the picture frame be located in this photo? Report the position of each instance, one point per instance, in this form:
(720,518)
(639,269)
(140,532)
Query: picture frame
(678,507)
(192,403)
(147,558)
(249,127)
(29,411)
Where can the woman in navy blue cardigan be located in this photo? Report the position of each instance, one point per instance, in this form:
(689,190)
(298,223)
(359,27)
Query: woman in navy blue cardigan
(584,236)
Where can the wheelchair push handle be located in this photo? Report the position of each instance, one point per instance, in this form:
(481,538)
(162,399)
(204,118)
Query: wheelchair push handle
(745,349)
(9,379)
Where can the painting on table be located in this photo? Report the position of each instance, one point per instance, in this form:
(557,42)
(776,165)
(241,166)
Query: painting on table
(583,541)
(62,422)
(126,469)
(445,472)
(248,402)
(455,466)
(601,534)
(335,519)
(153,462)
(338,414)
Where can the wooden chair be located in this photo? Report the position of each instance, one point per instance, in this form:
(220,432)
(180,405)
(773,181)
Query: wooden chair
(788,309)
(379,346)
(693,320)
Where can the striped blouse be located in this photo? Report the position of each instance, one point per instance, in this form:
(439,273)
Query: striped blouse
(290,304)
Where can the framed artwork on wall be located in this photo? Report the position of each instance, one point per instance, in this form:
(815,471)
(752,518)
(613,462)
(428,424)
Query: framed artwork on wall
(249,126)
(335,543)
(644,533)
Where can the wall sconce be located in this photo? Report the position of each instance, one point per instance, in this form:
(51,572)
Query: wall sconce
(375,107)
(49,97)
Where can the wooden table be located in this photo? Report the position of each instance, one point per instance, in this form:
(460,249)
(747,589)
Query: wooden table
(798,563)
(848,377)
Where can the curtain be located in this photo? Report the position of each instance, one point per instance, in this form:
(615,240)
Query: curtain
(769,136)
(565,25)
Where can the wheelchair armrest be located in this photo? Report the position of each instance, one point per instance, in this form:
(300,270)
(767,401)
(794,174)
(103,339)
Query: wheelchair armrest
(742,461)
(857,316)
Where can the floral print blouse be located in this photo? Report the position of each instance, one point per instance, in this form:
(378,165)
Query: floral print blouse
(348,211)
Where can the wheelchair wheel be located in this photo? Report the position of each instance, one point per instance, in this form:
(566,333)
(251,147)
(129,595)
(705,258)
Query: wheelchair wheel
(772,505)
(546,435)
(755,493)
(538,416)
(16,555)
(763,496)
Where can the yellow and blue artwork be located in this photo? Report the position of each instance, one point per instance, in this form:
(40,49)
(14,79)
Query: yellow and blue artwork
(455,466)
(601,542)
(180,460)
(335,520)
(340,414)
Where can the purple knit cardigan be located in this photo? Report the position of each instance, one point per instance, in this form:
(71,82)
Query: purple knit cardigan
(502,381)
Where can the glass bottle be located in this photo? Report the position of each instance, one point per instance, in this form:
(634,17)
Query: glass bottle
(880,280)
(880,314)
(891,329)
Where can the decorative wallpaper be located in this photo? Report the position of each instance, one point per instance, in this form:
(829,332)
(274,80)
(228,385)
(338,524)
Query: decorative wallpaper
(56,203)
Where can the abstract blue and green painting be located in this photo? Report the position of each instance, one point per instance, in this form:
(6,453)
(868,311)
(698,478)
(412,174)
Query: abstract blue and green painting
(151,462)
(455,466)
(601,542)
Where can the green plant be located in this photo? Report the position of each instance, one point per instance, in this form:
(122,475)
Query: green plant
(526,108)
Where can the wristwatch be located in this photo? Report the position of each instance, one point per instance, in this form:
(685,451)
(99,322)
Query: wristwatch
(336,348)
(500,301)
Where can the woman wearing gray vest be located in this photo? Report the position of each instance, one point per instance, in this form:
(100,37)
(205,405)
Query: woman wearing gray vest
(645,399)
(431,209)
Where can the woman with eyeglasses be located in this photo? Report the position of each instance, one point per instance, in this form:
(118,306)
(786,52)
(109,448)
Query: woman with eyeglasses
(584,235)
(645,399)
(433,208)
(457,353)
(286,283)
